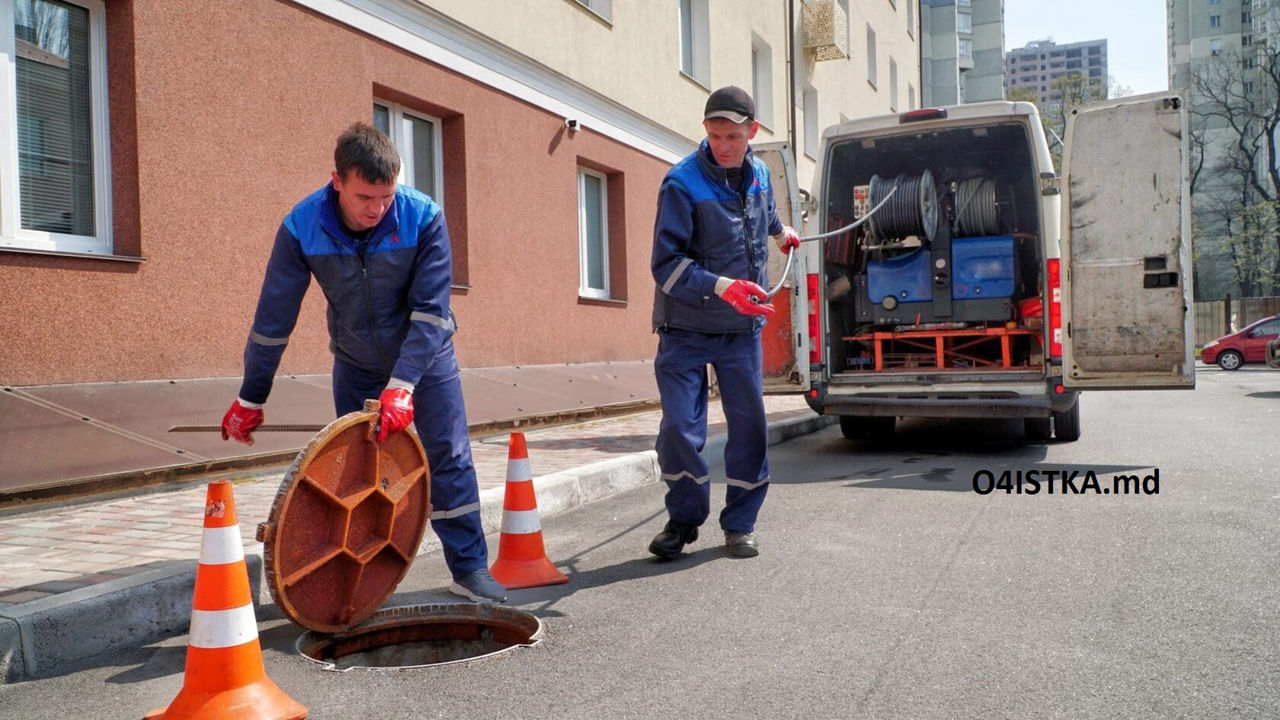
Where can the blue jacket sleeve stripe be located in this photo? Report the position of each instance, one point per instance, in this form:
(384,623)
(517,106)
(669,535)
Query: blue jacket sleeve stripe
(264,340)
(676,273)
(283,287)
(429,297)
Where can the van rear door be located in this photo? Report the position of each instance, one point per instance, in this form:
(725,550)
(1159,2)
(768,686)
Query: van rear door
(1126,234)
(786,334)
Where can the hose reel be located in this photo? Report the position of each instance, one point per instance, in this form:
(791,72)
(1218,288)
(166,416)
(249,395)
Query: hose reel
(912,211)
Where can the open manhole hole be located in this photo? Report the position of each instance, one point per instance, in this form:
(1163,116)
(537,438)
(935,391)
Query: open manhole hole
(423,635)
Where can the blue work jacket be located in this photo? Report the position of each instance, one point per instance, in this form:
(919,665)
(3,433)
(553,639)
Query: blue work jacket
(704,230)
(388,295)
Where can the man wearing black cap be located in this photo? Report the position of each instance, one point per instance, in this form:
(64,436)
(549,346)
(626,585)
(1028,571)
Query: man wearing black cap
(715,209)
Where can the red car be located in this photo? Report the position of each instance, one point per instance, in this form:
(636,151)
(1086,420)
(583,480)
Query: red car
(1246,346)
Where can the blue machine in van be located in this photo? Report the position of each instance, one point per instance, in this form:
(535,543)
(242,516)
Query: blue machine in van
(982,281)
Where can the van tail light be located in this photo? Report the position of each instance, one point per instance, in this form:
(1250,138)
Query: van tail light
(1055,309)
(815,341)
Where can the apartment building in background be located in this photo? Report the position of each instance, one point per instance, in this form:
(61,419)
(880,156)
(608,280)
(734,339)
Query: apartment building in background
(1040,62)
(149,150)
(962,51)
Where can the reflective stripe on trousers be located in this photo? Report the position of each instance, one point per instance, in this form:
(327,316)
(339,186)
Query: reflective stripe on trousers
(681,371)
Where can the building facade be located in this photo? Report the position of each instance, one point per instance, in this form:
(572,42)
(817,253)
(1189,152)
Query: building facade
(1220,52)
(1037,65)
(150,150)
(962,51)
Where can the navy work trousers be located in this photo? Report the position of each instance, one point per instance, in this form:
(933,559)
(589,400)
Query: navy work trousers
(441,421)
(681,371)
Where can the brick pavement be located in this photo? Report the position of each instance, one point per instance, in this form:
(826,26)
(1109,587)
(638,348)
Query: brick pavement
(46,552)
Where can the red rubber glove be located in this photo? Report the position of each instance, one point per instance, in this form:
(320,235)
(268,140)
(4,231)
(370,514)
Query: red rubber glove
(239,422)
(397,411)
(790,239)
(747,298)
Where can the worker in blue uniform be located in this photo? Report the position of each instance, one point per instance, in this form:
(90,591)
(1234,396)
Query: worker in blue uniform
(381,255)
(715,210)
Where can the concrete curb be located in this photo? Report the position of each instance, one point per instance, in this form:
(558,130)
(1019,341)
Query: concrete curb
(42,636)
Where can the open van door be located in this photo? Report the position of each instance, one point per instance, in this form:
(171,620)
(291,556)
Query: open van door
(1126,234)
(786,334)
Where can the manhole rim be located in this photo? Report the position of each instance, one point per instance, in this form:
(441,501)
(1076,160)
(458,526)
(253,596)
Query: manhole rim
(406,613)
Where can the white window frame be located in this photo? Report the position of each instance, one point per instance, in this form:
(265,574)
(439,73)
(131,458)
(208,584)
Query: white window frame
(964,23)
(893,84)
(911,18)
(12,235)
(871,56)
(397,121)
(964,49)
(809,100)
(601,8)
(762,80)
(696,24)
(584,288)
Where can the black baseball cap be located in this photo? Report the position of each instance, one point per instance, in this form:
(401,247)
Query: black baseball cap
(732,103)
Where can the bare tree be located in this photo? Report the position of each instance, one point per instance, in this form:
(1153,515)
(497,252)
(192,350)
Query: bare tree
(1235,181)
(46,24)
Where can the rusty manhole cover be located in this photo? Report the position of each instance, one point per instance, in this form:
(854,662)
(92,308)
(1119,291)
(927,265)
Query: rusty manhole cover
(346,523)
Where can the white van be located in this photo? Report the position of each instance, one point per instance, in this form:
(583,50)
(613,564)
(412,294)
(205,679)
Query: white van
(985,285)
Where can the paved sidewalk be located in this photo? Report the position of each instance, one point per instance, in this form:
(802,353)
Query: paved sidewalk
(75,581)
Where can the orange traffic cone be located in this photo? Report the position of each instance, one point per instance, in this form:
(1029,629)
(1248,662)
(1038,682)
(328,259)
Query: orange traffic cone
(225,677)
(522,560)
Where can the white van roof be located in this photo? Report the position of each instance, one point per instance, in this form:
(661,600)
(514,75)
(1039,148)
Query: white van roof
(954,115)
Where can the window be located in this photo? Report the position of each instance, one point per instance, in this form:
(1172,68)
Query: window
(694,41)
(964,3)
(911,18)
(55,168)
(965,49)
(417,137)
(848,26)
(1245,17)
(1213,2)
(1215,21)
(762,80)
(1246,39)
(871,56)
(1215,47)
(593,234)
(911,97)
(893,84)
(1248,87)
(964,22)
(810,100)
(603,8)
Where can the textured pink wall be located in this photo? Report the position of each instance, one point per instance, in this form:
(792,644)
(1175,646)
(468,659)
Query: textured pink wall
(223,116)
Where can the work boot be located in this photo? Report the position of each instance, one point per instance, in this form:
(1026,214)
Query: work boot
(741,544)
(478,587)
(671,541)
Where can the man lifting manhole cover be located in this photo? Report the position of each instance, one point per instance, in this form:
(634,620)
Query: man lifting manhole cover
(381,254)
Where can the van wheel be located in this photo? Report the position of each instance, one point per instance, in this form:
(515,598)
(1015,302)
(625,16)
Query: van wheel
(1038,429)
(858,427)
(1066,424)
(1230,360)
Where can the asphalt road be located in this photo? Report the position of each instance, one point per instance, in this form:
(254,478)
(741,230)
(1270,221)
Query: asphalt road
(886,588)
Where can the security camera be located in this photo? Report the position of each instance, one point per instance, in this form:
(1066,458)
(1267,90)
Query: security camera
(572,124)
